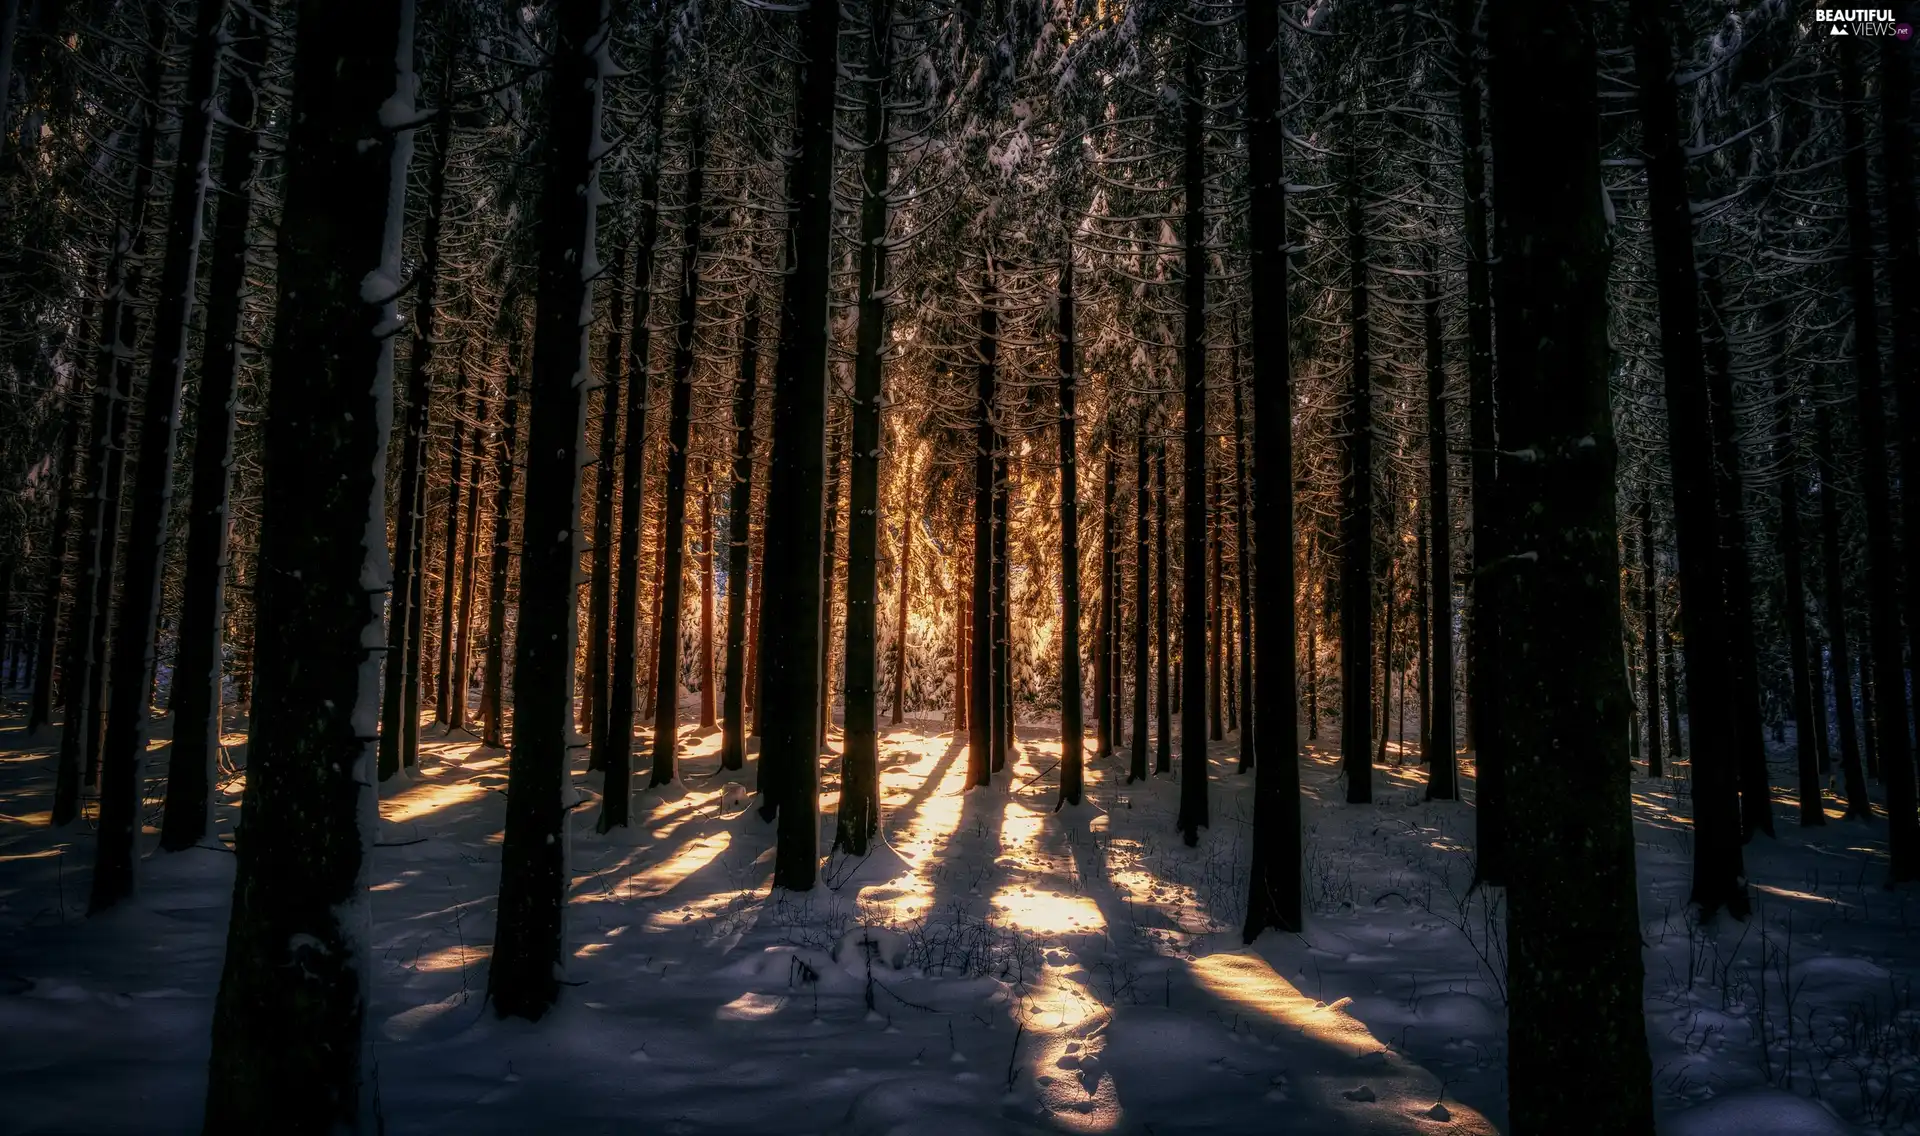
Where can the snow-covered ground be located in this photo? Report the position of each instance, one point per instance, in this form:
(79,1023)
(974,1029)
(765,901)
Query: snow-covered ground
(997,967)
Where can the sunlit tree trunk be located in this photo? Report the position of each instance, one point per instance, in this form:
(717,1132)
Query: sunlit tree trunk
(981,686)
(1142,565)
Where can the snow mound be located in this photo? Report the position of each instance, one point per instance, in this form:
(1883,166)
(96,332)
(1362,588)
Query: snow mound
(1763,1112)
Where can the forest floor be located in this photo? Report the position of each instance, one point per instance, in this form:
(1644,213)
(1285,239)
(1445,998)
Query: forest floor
(995,967)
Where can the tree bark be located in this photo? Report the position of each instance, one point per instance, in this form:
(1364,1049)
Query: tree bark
(981,726)
(1356,511)
(790,681)
(1442,769)
(593,710)
(1072,728)
(1718,870)
(1575,976)
(1193,602)
(289,1022)
(859,819)
(733,746)
(1883,565)
(492,690)
(709,715)
(195,699)
(1162,627)
(666,706)
(908,522)
(449,547)
(529,951)
(1859,804)
(1142,564)
(1650,634)
(83,674)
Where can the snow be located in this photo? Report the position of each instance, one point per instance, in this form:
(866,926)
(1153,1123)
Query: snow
(993,966)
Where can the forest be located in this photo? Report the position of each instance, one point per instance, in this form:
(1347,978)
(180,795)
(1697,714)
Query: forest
(963,566)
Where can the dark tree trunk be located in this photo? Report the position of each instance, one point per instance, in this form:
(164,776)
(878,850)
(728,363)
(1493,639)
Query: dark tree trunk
(1193,562)
(296,1047)
(908,521)
(1575,974)
(528,952)
(1162,625)
(791,681)
(1356,512)
(83,675)
(1859,804)
(981,727)
(1072,730)
(1718,870)
(1675,736)
(406,619)
(1244,583)
(1392,557)
(1650,634)
(1273,878)
(47,637)
(1216,608)
(593,709)
(123,759)
(1786,460)
(733,746)
(1756,805)
(615,758)
(1113,686)
(195,699)
(1002,613)
(1483,623)
(708,711)
(666,706)
(1903,275)
(1103,676)
(829,562)
(1142,614)
(449,547)
(859,819)
(463,623)
(1436,715)
(493,685)
(1883,565)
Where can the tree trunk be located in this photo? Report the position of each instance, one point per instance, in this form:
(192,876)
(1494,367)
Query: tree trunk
(733,746)
(1650,635)
(1274,871)
(859,819)
(981,726)
(709,712)
(1756,805)
(463,625)
(83,674)
(1002,606)
(195,698)
(908,521)
(1162,627)
(492,690)
(529,951)
(123,760)
(1072,729)
(615,757)
(593,710)
(1834,608)
(1142,614)
(1216,610)
(1193,601)
(46,639)
(1718,871)
(406,619)
(1442,769)
(1787,491)
(666,705)
(1575,974)
(1883,565)
(1356,512)
(829,562)
(297,1048)
(449,547)
(790,639)
(1386,618)
(1483,622)
(1107,673)
(1903,274)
